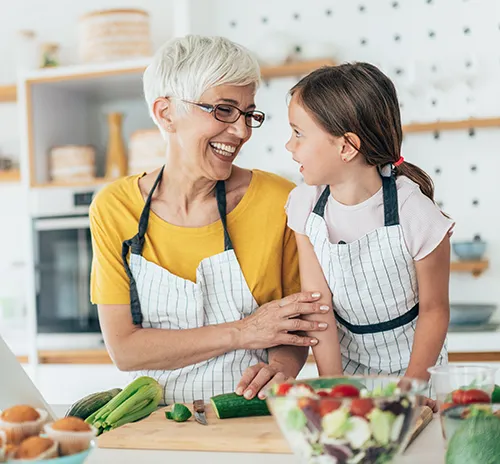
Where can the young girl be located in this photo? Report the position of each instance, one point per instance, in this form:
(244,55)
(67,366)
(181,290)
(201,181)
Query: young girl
(369,234)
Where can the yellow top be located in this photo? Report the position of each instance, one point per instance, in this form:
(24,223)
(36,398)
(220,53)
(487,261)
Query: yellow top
(264,245)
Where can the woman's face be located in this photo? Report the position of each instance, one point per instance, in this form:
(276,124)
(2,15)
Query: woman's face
(318,153)
(206,146)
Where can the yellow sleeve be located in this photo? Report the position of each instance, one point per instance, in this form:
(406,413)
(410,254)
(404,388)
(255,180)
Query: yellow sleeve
(109,283)
(290,269)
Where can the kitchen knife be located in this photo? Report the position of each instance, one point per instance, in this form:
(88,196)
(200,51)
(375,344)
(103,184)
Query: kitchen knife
(199,412)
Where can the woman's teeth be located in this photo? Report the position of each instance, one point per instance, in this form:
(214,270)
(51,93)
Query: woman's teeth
(223,149)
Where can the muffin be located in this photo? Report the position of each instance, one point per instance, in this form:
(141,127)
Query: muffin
(10,451)
(36,449)
(72,433)
(20,422)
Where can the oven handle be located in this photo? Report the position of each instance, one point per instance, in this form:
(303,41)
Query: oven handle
(82,222)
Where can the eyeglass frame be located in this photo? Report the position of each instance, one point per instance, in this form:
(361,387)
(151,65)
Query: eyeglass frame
(211,109)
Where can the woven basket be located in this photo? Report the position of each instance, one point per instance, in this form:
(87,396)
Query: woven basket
(113,35)
(146,151)
(72,162)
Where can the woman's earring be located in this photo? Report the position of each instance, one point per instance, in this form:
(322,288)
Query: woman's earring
(344,160)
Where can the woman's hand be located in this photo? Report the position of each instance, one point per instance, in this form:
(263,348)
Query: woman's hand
(270,325)
(259,377)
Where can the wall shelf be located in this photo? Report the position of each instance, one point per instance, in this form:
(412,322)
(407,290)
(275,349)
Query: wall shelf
(82,72)
(8,93)
(294,69)
(476,268)
(451,125)
(12,175)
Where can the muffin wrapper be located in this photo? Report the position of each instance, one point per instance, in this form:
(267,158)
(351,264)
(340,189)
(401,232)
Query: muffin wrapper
(17,432)
(49,454)
(71,442)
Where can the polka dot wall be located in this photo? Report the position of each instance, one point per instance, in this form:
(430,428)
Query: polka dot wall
(444,59)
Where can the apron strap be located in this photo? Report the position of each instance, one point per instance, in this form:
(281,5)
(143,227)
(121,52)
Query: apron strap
(135,304)
(399,321)
(135,245)
(390,193)
(319,209)
(220,195)
(391,209)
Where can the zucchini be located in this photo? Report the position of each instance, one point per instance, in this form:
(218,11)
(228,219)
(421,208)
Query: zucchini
(178,413)
(232,405)
(86,406)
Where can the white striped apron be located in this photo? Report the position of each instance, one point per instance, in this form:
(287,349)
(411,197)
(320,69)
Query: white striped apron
(374,286)
(162,300)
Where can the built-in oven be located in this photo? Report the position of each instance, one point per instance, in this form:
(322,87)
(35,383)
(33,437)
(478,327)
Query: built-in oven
(62,263)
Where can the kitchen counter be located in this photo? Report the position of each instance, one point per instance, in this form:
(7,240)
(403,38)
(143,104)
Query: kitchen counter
(427,447)
(89,349)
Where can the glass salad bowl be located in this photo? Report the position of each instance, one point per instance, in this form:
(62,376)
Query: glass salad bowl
(347,420)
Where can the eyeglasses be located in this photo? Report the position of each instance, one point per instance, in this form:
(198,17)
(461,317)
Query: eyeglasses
(230,114)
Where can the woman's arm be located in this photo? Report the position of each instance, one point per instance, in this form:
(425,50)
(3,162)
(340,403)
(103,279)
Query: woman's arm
(327,351)
(136,348)
(433,275)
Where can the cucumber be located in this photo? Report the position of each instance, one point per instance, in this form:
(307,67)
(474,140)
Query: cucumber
(85,407)
(232,405)
(178,413)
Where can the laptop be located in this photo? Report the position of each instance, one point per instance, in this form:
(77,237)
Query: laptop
(16,386)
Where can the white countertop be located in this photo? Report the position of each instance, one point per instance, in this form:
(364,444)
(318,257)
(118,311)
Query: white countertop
(427,448)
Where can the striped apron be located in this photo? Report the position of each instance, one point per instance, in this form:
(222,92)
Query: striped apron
(374,286)
(162,300)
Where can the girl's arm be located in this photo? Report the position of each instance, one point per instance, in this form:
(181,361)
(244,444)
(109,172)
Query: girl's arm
(433,275)
(327,351)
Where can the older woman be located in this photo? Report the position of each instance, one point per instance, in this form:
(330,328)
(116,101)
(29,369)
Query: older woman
(195,271)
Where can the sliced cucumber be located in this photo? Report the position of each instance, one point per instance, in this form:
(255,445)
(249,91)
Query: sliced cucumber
(232,405)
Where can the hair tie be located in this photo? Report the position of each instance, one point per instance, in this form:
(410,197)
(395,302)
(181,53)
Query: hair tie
(399,161)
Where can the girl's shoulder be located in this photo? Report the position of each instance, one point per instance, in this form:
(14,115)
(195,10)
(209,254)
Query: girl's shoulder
(301,202)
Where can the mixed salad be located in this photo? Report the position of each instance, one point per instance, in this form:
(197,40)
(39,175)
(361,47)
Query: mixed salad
(345,424)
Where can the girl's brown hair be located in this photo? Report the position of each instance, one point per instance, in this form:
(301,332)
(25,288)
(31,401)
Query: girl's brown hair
(359,98)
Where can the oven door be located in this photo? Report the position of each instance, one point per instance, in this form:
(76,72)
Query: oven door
(63,262)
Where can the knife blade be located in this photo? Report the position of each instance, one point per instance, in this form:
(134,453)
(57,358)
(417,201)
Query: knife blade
(199,412)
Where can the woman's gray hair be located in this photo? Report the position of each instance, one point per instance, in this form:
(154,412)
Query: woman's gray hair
(186,67)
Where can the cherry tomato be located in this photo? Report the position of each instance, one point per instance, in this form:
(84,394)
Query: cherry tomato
(361,406)
(282,388)
(470,396)
(323,393)
(327,405)
(310,403)
(344,391)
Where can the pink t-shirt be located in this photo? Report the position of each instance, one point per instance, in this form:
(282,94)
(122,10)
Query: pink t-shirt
(423,224)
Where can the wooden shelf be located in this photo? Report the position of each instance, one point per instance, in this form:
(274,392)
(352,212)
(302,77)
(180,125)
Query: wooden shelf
(294,69)
(96,356)
(92,71)
(451,125)
(8,93)
(476,268)
(12,175)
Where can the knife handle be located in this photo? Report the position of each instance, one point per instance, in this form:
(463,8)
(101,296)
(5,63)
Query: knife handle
(199,406)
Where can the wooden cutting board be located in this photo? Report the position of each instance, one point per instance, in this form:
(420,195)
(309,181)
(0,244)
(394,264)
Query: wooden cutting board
(246,434)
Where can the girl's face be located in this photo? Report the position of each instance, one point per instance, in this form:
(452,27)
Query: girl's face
(318,153)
